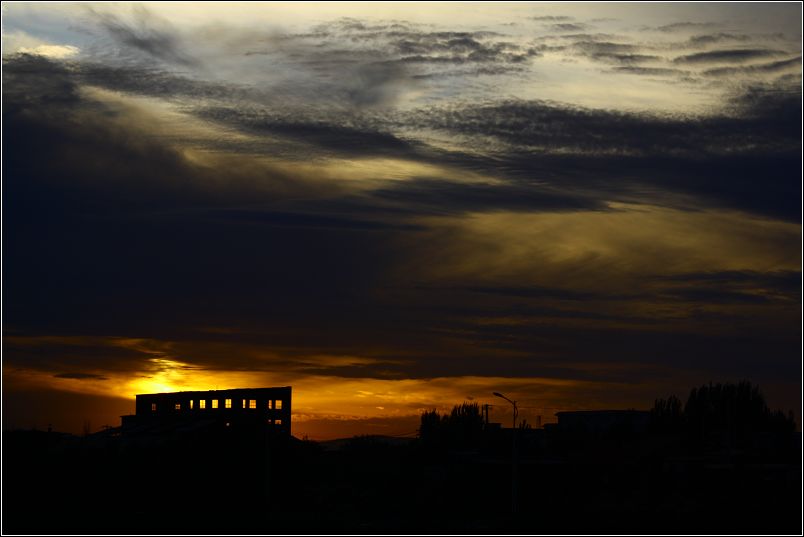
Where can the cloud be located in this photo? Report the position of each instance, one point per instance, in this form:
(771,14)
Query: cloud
(428,196)
(147,33)
(735,287)
(80,376)
(727,56)
(551,18)
(648,71)
(439,47)
(780,66)
(708,39)
(613,52)
(51,51)
(348,210)
(568,27)
(355,139)
(684,26)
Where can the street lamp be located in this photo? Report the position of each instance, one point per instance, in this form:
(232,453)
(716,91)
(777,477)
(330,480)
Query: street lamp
(513,453)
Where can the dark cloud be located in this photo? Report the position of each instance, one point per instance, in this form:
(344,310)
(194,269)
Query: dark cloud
(708,39)
(67,353)
(535,292)
(150,243)
(302,220)
(552,126)
(762,130)
(605,47)
(698,157)
(80,376)
(458,48)
(551,18)
(684,26)
(606,51)
(568,27)
(649,71)
(586,37)
(625,58)
(735,287)
(782,281)
(160,234)
(763,68)
(155,82)
(357,139)
(493,70)
(149,34)
(728,56)
(444,197)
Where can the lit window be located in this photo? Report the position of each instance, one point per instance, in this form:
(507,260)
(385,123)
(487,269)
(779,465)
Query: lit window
(153,407)
(252,403)
(277,422)
(278,405)
(244,403)
(202,403)
(228,403)
(270,405)
(178,406)
(214,403)
(191,404)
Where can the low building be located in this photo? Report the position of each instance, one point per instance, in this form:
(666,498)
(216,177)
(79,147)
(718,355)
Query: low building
(238,408)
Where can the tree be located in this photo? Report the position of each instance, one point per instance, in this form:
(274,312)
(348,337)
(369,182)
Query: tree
(666,415)
(731,414)
(461,428)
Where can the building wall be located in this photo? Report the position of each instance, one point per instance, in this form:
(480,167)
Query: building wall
(271,406)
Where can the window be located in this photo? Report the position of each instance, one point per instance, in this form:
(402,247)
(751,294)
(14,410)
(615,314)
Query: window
(228,403)
(202,403)
(278,405)
(153,407)
(191,404)
(277,422)
(214,403)
(178,406)
(244,403)
(252,403)
(270,405)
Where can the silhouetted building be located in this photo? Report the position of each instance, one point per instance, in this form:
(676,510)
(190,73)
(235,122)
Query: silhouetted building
(214,409)
(603,421)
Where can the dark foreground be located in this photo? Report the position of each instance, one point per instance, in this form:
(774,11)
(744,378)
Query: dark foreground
(99,484)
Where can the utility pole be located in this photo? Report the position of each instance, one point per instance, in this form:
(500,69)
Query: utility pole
(514,456)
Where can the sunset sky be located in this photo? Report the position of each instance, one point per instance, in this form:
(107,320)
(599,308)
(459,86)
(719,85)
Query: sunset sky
(398,207)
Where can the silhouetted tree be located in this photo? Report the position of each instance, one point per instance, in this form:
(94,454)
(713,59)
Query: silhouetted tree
(431,430)
(465,425)
(726,414)
(462,428)
(667,415)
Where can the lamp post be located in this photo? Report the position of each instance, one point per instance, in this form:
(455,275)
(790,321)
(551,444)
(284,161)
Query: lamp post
(513,454)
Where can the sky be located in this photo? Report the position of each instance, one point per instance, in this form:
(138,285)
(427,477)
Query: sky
(395,207)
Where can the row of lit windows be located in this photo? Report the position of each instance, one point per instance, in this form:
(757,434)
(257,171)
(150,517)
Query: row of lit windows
(274,422)
(227,403)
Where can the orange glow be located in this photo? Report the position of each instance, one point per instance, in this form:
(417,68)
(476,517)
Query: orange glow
(331,406)
(347,400)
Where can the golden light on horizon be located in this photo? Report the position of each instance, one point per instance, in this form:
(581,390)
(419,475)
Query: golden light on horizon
(331,399)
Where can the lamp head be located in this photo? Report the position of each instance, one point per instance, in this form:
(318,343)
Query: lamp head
(498,394)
